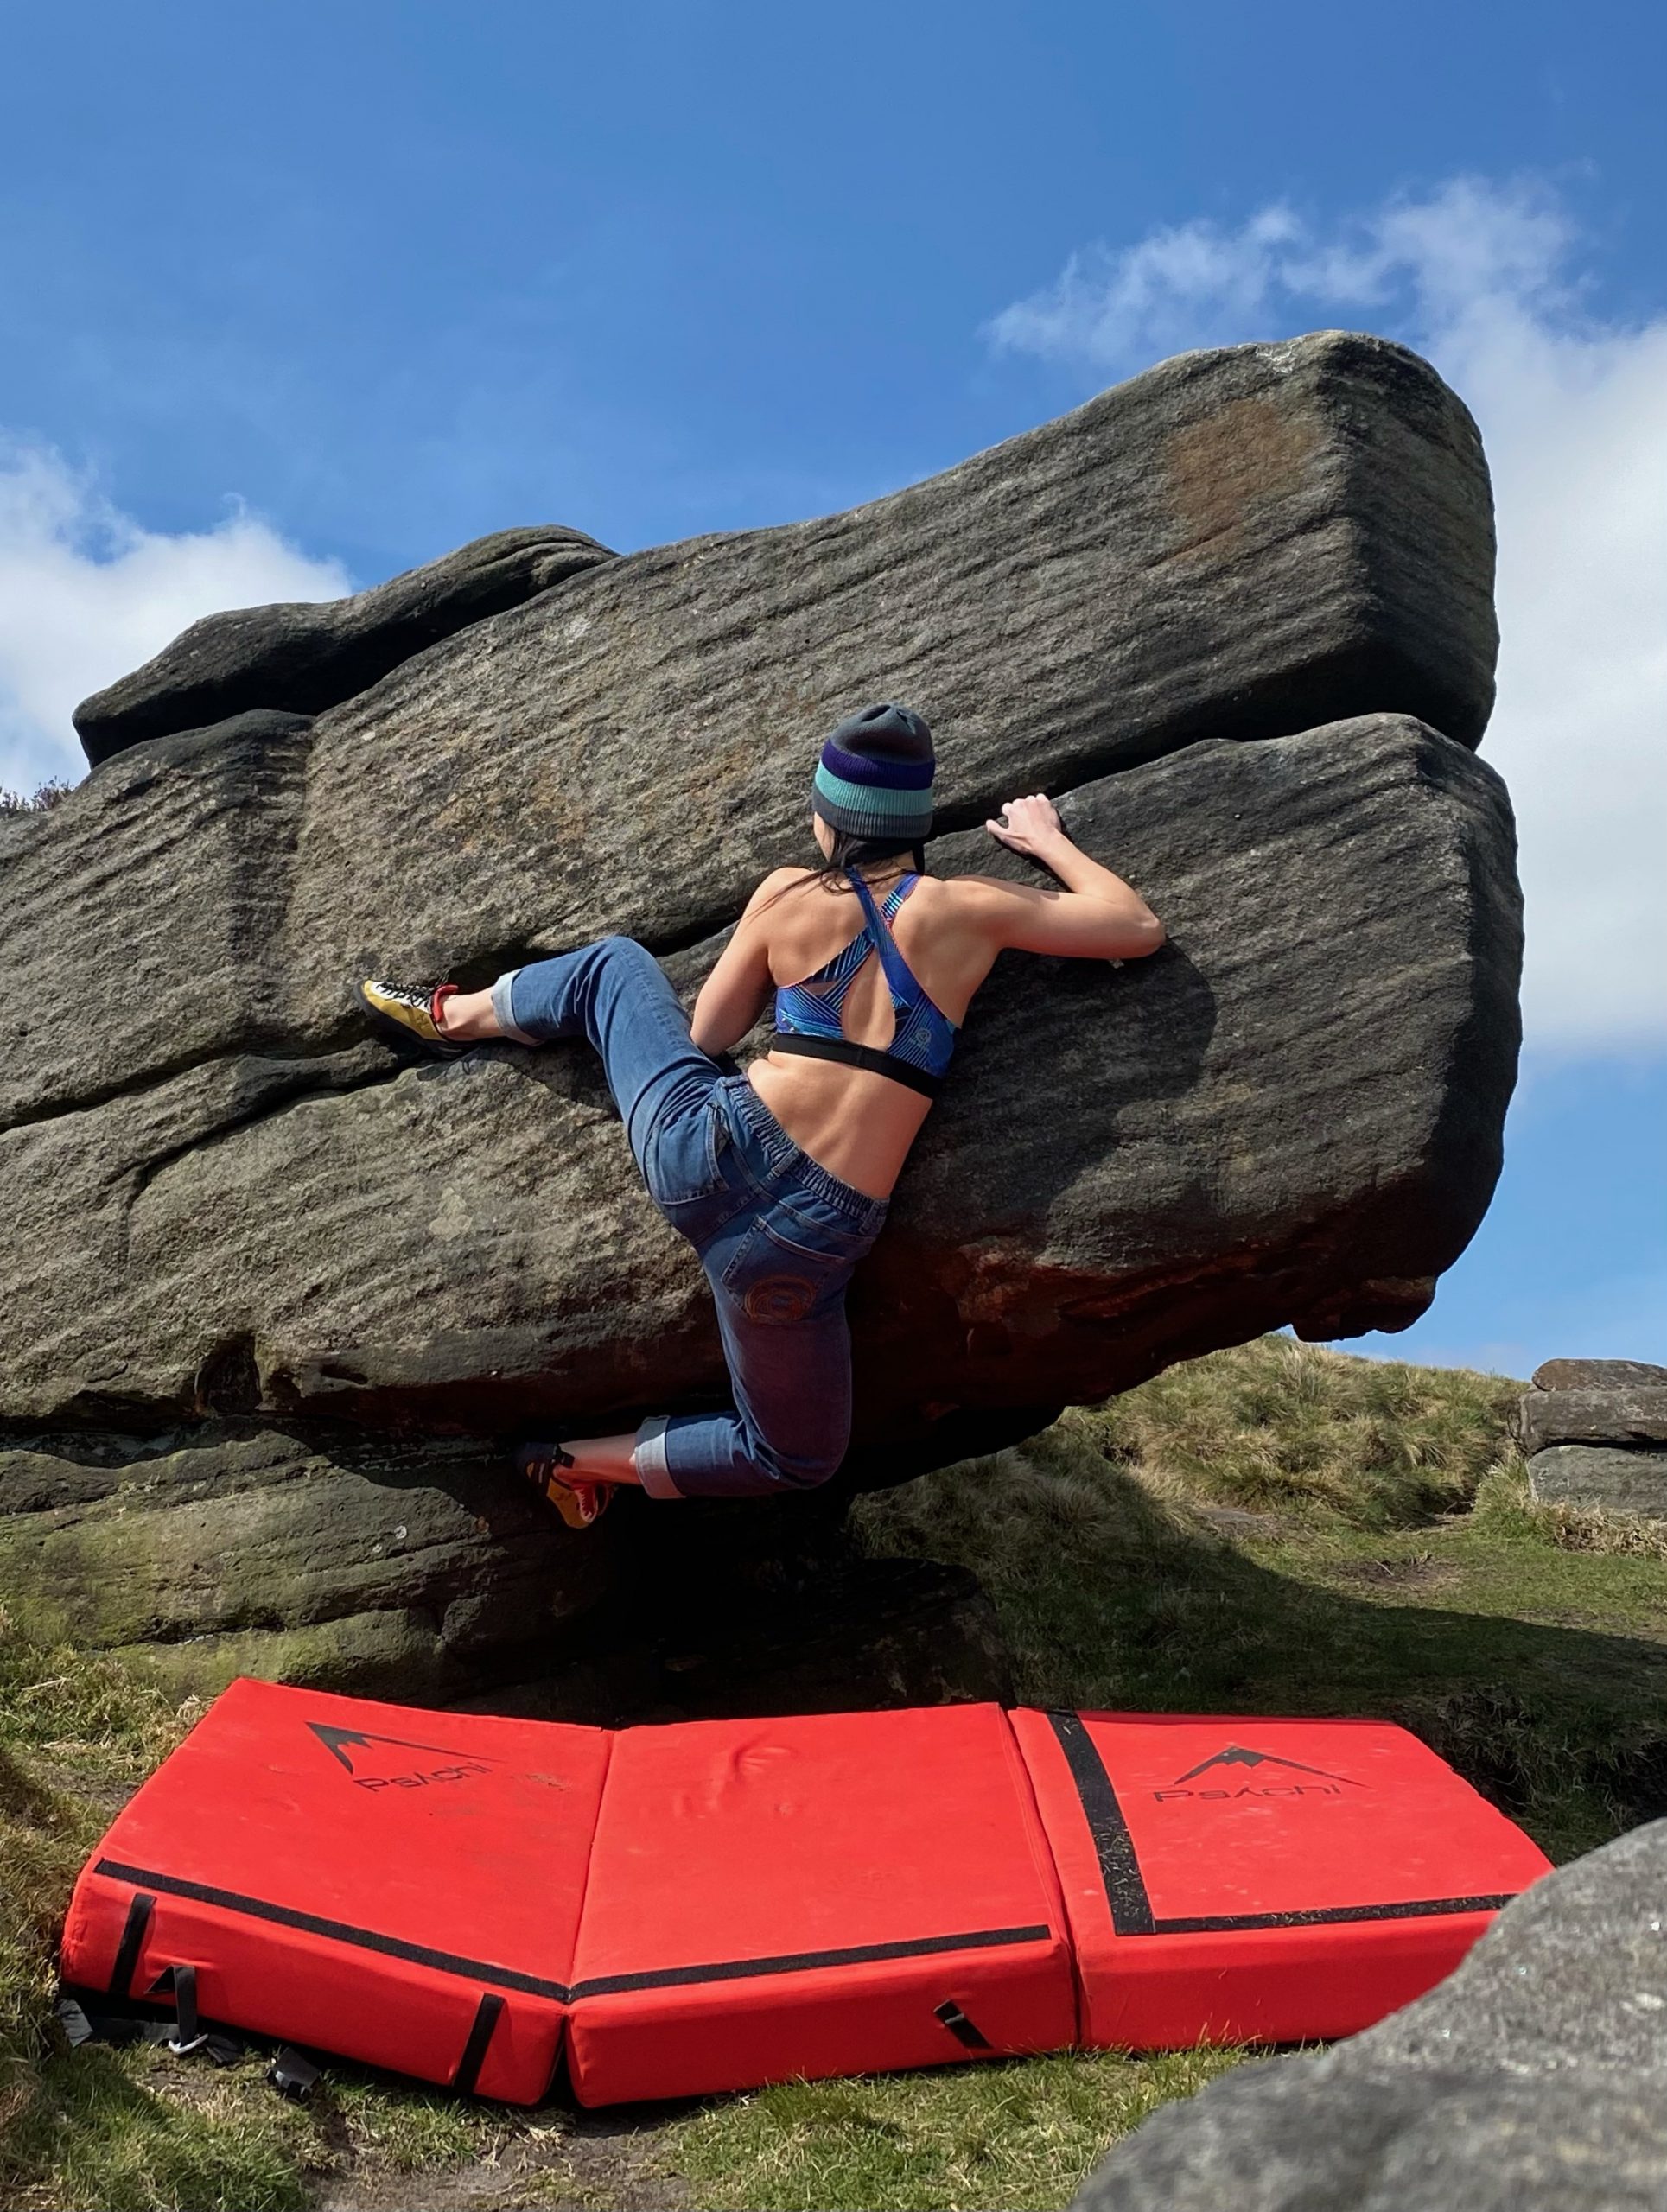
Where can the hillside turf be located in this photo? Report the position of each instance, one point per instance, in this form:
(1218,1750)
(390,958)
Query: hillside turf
(1272,1530)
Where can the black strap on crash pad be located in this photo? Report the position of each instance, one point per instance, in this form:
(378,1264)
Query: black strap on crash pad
(127,1951)
(488,2013)
(185,2033)
(1125,1885)
(960,2027)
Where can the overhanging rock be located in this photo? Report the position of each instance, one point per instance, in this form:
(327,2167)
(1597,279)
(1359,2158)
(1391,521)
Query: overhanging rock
(1242,544)
(1291,1114)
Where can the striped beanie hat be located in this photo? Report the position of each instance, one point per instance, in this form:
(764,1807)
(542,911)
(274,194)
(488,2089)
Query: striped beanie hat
(875,777)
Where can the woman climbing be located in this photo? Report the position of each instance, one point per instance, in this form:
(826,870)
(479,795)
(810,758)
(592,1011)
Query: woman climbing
(779,1177)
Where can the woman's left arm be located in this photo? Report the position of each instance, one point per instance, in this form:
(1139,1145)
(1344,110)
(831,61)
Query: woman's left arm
(732,997)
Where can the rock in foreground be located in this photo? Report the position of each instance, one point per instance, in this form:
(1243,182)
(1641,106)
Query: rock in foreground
(1531,2081)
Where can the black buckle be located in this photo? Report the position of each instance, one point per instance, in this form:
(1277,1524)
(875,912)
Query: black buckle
(293,2074)
(188,2033)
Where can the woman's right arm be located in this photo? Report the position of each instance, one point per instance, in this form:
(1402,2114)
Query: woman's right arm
(1096,917)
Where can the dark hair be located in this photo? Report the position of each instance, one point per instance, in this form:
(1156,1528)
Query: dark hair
(851,851)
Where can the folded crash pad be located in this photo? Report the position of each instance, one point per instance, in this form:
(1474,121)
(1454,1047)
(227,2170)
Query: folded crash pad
(830,1895)
(1260,1880)
(716,1904)
(398,1886)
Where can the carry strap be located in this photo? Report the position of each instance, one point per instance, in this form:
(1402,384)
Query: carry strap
(187,2034)
(487,2014)
(127,1951)
(960,2027)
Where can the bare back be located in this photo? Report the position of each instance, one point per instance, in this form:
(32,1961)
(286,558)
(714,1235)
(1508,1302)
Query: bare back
(856,1121)
(856,1124)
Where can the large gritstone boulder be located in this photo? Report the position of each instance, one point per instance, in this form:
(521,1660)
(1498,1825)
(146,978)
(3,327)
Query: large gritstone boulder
(1291,1114)
(227,1202)
(1531,2081)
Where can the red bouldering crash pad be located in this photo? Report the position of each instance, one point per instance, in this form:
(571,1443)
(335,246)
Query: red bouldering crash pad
(398,1886)
(830,1895)
(1261,1880)
(716,1904)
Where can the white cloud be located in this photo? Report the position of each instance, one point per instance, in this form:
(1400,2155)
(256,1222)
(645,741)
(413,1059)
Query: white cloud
(85,595)
(1176,288)
(1573,411)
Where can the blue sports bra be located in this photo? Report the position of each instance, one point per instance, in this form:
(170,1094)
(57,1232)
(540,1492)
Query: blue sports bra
(808,1014)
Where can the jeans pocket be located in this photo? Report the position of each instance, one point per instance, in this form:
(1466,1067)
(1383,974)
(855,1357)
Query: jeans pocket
(777,1280)
(685,1162)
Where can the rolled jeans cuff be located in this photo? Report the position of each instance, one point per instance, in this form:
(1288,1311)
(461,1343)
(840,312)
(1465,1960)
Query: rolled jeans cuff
(651,1470)
(501,1004)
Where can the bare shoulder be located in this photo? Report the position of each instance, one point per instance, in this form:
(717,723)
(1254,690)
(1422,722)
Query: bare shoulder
(977,885)
(777,880)
(978,898)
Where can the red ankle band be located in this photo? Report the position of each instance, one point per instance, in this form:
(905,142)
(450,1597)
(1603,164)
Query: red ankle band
(443,991)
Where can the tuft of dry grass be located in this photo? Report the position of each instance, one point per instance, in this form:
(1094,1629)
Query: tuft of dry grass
(1282,1426)
(1590,1528)
(40,801)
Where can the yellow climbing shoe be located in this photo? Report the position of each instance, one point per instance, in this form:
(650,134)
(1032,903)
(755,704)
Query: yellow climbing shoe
(413,1008)
(581,1504)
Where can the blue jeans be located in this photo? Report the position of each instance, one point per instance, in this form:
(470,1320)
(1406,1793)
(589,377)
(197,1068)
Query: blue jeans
(777,1235)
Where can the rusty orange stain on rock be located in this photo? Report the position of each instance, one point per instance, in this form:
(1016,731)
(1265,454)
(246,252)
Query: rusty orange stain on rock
(1220,469)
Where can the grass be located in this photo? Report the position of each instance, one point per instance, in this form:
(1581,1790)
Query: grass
(1280,1529)
(1276,1528)
(85,2127)
(1016,2136)
(1280,1425)
(134,2129)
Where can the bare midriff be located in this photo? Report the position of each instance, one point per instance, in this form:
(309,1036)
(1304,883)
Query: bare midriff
(857,1125)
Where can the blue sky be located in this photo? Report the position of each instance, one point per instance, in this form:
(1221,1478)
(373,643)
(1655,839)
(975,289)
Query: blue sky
(297,296)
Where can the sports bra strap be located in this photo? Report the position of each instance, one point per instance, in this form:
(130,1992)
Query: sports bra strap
(898,974)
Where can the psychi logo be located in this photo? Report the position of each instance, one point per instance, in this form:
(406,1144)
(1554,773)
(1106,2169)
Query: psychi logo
(1321,1783)
(366,1758)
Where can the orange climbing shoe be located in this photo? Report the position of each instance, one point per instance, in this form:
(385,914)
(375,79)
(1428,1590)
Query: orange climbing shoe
(581,1504)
